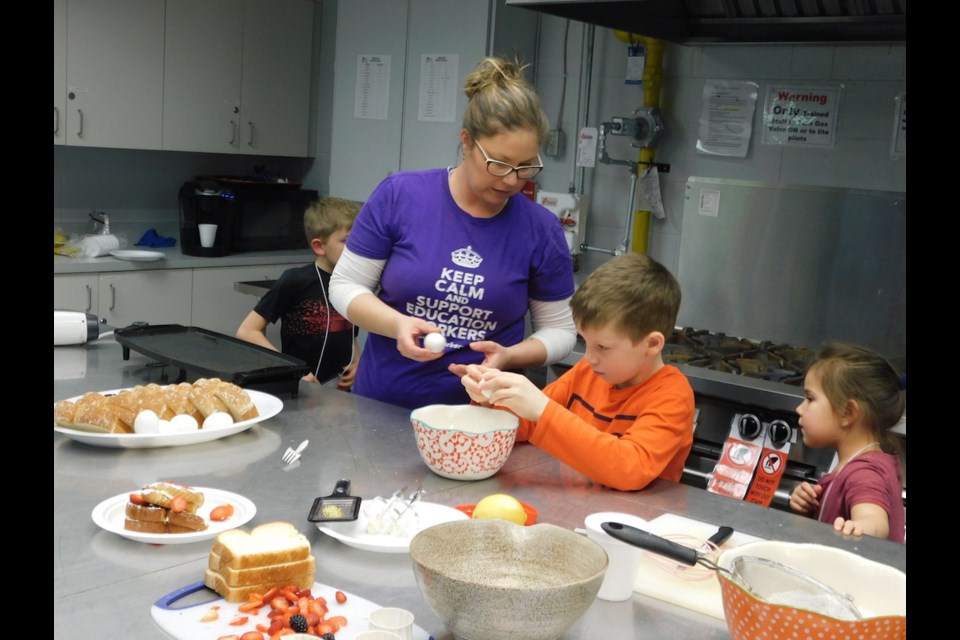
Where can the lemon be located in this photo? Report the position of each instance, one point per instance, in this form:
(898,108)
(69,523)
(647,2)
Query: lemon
(500,505)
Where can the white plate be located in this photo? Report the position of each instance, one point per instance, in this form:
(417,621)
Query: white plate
(109,515)
(266,404)
(355,534)
(136,256)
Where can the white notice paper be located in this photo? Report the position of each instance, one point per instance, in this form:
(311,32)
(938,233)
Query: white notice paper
(648,195)
(587,147)
(709,203)
(372,93)
(439,84)
(726,117)
(801,116)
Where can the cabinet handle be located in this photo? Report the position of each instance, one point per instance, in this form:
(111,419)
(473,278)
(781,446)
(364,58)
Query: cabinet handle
(89,297)
(80,131)
(113,296)
(233,132)
(250,141)
(56,121)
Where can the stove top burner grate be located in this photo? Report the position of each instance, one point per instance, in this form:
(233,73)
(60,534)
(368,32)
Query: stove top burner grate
(719,352)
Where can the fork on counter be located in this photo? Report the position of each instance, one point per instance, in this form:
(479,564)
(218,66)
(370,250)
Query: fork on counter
(291,455)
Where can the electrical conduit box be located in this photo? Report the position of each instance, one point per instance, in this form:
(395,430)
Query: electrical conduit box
(571,210)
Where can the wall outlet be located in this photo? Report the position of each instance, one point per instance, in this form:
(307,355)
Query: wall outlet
(556,144)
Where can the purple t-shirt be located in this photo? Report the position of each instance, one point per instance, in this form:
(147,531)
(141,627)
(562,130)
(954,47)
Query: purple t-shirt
(472,277)
(870,477)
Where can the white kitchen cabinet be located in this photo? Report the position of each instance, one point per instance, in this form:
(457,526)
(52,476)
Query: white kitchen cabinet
(77,292)
(217,306)
(160,296)
(237,76)
(59,70)
(114,73)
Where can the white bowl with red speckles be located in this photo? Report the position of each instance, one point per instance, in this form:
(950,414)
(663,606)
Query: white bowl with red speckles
(464,442)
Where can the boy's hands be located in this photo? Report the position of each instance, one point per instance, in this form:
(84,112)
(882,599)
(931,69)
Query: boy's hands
(346,378)
(489,386)
(805,499)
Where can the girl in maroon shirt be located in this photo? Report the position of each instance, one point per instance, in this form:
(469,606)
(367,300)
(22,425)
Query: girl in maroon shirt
(852,399)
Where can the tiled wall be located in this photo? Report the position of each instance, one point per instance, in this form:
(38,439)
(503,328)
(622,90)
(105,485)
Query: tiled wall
(870,77)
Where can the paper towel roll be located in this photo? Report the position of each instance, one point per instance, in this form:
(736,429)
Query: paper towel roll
(95,246)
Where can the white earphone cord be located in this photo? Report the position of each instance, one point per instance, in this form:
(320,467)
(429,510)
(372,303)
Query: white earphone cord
(326,335)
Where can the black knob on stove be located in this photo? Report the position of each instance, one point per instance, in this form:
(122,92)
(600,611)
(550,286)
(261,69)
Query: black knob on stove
(750,426)
(780,431)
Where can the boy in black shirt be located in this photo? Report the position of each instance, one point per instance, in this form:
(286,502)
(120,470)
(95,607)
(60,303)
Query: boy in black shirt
(310,328)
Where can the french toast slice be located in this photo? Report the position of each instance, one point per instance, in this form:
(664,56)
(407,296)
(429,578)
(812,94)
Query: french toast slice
(163,493)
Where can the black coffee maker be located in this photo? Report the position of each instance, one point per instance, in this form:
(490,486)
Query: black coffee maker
(202,203)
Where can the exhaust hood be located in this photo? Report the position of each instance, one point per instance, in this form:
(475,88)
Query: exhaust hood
(701,22)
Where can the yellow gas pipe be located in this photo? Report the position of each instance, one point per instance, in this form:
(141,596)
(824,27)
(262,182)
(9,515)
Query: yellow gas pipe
(652,82)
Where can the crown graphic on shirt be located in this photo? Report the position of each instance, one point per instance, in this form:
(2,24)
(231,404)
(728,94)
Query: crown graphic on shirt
(466,258)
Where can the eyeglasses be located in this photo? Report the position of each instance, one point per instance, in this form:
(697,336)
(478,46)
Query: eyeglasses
(502,169)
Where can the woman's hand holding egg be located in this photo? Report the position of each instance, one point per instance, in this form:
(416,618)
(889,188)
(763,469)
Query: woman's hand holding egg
(435,342)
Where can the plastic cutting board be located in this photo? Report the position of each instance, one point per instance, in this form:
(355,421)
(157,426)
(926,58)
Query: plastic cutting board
(182,622)
(702,596)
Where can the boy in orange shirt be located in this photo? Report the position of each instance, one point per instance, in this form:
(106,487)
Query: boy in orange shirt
(620,415)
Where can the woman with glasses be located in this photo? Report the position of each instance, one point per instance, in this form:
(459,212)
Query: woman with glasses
(460,252)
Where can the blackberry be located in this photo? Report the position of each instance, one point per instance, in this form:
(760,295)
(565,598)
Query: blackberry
(328,636)
(298,623)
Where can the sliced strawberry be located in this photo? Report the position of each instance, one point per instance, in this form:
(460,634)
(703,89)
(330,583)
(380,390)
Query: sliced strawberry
(341,597)
(136,498)
(178,504)
(222,512)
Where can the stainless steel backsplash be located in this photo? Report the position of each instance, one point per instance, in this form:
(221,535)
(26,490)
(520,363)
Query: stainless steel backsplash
(796,265)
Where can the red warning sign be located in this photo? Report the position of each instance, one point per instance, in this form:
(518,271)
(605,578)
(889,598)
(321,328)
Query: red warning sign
(767,478)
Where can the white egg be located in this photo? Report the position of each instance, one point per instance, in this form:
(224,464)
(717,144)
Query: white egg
(217,420)
(486,392)
(146,422)
(165,428)
(434,342)
(183,423)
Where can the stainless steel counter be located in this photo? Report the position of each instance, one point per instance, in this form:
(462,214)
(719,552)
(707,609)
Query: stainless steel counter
(104,584)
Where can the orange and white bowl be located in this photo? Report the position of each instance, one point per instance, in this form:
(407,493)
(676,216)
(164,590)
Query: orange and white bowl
(464,442)
(878,590)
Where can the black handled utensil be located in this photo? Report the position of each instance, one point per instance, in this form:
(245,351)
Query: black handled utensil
(722,535)
(339,506)
(765,578)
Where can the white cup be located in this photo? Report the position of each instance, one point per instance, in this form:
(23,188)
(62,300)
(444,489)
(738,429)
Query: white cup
(392,620)
(376,634)
(208,233)
(621,575)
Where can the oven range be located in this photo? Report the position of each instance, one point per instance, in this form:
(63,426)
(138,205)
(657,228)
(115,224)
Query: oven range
(746,389)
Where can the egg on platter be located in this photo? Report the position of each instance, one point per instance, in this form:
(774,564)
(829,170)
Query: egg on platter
(217,420)
(146,422)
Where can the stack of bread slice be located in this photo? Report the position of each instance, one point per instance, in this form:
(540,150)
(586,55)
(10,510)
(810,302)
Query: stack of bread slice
(271,555)
(164,507)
